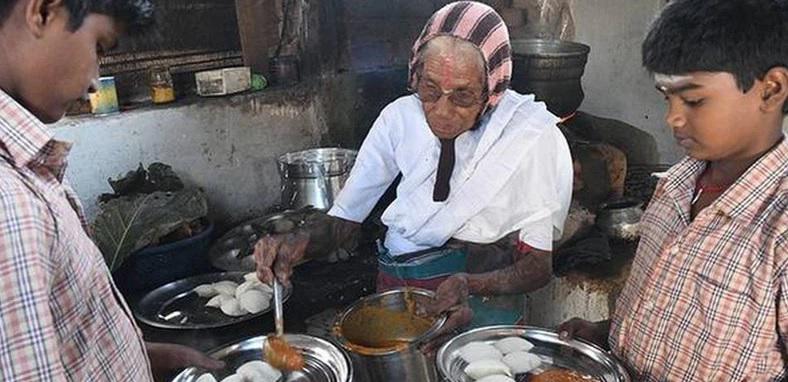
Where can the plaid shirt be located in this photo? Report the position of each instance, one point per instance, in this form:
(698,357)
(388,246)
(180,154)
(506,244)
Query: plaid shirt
(60,315)
(707,300)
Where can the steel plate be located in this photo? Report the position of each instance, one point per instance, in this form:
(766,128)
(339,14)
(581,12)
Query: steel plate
(324,361)
(233,251)
(577,355)
(176,306)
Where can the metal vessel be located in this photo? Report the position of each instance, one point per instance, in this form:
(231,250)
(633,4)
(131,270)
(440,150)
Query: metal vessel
(577,355)
(324,361)
(404,363)
(551,70)
(314,177)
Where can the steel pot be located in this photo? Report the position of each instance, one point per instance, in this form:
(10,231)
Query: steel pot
(551,70)
(384,351)
(620,218)
(314,177)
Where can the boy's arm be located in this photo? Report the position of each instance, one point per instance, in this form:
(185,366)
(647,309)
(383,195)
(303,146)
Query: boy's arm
(782,311)
(28,341)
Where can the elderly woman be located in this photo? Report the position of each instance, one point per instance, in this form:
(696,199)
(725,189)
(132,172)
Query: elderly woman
(486,179)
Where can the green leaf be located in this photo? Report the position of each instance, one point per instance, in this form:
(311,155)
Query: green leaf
(130,223)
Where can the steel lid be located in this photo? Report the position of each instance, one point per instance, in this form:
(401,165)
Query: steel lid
(314,163)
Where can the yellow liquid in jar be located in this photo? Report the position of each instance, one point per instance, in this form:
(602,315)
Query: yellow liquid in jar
(162,94)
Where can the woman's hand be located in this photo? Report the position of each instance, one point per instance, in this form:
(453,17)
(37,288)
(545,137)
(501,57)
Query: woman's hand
(451,297)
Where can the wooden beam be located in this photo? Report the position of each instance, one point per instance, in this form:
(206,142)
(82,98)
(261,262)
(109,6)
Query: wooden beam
(258,26)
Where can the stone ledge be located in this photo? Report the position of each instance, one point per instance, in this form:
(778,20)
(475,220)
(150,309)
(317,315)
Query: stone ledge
(300,93)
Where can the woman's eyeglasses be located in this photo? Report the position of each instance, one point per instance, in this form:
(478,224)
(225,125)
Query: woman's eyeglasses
(430,93)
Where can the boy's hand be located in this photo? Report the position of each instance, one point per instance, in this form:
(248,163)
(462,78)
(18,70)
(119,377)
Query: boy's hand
(168,359)
(594,332)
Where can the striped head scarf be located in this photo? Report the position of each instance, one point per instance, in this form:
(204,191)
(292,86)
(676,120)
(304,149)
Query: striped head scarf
(480,25)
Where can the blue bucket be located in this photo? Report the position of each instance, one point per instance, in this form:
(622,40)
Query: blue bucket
(154,266)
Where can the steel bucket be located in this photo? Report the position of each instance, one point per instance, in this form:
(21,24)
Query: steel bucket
(314,177)
(366,338)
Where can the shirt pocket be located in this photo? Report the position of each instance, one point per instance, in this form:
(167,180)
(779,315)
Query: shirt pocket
(721,300)
(725,325)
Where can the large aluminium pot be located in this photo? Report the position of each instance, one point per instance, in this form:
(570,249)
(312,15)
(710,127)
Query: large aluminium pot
(382,338)
(314,177)
(551,70)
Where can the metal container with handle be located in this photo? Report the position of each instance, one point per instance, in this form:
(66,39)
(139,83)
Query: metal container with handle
(314,177)
(382,350)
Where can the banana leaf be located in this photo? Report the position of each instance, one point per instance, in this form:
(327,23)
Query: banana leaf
(130,223)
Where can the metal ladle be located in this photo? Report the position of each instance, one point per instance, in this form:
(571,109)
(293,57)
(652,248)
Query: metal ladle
(279,320)
(277,352)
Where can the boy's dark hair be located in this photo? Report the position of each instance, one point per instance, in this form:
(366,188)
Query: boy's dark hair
(743,37)
(133,14)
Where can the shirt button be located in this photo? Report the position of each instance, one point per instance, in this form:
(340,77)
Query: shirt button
(674,250)
(650,305)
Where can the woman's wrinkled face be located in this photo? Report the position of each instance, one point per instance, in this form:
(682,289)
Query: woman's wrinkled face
(451,87)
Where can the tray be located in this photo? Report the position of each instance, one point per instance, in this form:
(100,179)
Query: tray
(577,355)
(176,306)
(233,251)
(324,361)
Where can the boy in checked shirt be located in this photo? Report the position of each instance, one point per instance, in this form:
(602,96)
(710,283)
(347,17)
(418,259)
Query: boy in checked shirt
(61,318)
(707,296)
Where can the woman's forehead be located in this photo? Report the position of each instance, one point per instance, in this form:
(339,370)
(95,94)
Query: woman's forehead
(448,71)
(453,62)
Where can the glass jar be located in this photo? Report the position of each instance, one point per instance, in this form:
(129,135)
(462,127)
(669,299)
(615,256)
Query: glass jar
(161,88)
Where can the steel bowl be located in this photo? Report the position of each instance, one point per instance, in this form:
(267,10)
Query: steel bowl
(577,355)
(325,362)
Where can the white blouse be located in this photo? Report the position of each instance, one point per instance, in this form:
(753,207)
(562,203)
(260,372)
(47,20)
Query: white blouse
(513,173)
